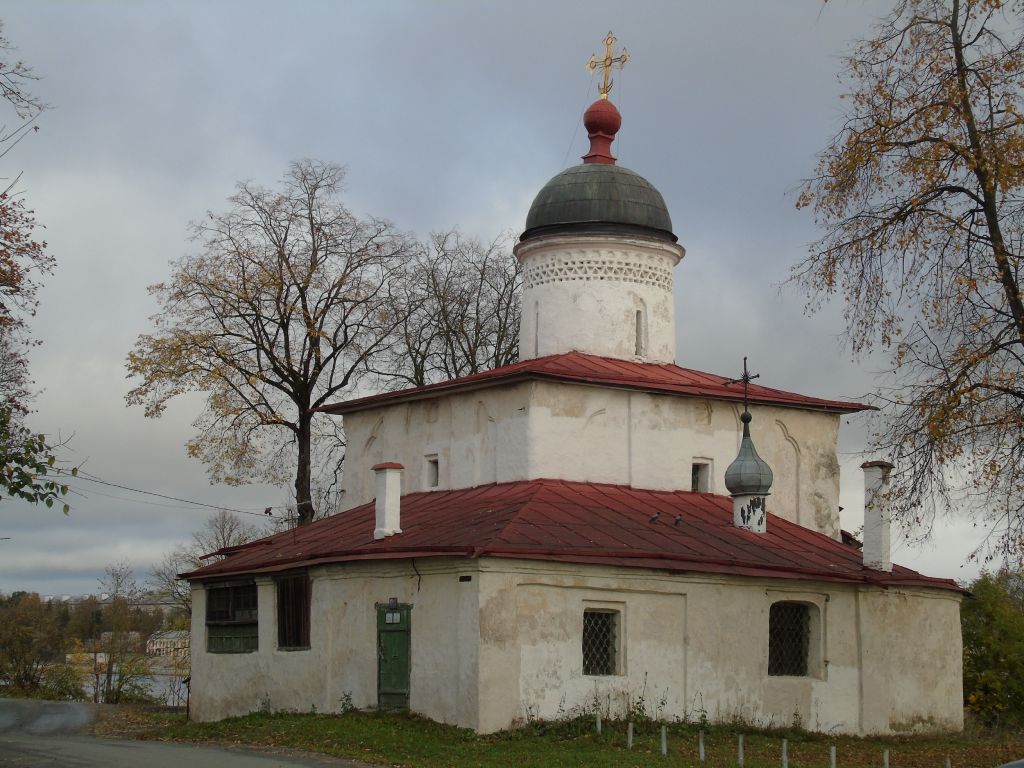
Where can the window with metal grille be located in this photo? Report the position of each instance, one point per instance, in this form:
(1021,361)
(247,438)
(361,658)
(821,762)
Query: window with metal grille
(232,624)
(789,638)
(293,593)
(600,642)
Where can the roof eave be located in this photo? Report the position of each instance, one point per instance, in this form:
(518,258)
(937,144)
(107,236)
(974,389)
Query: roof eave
(420,393)
(222,568)
(672,563)
(436,390)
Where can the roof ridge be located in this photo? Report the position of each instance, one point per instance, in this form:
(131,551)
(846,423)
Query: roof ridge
(540,485)
(597,370)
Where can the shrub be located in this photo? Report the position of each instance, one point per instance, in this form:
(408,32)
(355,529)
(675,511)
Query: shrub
(993,631)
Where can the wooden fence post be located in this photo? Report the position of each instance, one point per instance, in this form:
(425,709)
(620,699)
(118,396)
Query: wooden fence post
(629,736)
(664,740)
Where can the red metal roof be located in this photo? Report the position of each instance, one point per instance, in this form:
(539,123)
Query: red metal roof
(570,522)
(581,368)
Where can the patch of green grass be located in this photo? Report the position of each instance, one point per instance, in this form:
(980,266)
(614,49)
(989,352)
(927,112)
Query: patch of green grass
(413,742)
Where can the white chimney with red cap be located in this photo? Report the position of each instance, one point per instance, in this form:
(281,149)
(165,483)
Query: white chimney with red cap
(388,504)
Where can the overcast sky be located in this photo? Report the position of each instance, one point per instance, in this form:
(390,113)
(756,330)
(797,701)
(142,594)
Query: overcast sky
(445,114)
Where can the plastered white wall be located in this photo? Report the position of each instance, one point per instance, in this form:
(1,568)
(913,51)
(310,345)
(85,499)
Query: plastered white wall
(507,646)
(917,635)
(697,645)
(595,434)
(583,293)
(227,684)
(342,658)
(478,438)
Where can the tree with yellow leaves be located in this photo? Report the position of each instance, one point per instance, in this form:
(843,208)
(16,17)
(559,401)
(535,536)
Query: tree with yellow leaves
(287,299)
(921,196)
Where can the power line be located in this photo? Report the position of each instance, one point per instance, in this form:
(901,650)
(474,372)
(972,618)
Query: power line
(94,479)
(91,492)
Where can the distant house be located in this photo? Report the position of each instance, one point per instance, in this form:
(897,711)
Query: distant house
(173,643)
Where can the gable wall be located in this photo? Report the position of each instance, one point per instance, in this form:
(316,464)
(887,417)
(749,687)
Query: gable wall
(595,434)
(479,438)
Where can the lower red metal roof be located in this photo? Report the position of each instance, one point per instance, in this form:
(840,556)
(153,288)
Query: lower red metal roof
(581,368)
(571,522)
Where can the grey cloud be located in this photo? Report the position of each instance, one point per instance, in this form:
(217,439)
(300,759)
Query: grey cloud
(446,114)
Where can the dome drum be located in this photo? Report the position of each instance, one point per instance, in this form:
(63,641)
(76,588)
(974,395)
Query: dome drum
(607,295)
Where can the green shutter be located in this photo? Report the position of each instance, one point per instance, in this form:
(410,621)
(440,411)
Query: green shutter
(232,638)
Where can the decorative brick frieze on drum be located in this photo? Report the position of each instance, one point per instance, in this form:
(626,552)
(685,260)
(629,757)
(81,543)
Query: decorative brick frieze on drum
(623,266)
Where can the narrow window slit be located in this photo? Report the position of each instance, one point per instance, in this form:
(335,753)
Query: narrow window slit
(640,345)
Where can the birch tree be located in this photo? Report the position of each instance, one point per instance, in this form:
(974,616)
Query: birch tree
(920,199)
(280,311)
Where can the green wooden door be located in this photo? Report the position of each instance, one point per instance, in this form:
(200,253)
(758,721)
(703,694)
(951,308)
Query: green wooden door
(393,657)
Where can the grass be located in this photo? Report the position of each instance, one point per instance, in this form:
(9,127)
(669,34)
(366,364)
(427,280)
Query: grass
(413,742)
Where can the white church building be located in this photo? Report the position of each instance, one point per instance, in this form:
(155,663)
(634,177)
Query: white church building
(586,526)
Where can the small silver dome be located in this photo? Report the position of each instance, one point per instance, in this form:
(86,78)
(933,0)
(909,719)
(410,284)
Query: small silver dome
(749,474)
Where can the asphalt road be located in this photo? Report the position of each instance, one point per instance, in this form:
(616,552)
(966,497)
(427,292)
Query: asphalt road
(55,733)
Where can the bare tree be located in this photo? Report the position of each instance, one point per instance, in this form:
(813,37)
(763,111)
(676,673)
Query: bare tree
(222,529)
(279,313)
(15,79)
(118,580)
(123,677)
(921,196)
(462,311)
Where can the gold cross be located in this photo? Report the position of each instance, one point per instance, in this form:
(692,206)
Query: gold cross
(608,63)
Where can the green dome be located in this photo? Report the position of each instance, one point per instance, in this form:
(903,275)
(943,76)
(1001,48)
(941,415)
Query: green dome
(599,197)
